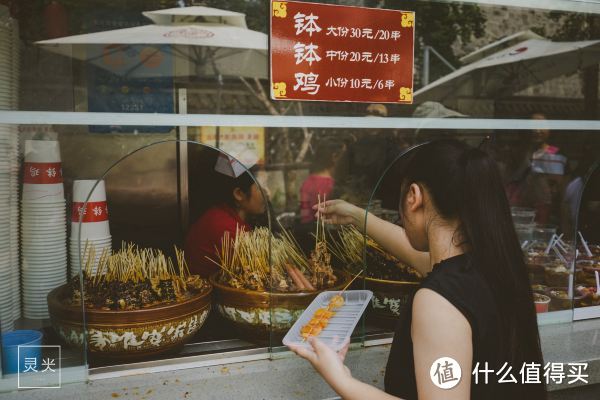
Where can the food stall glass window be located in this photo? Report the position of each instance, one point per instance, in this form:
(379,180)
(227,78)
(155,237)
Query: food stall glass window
(583,205)
(34,261)
(524,77)
(177,252)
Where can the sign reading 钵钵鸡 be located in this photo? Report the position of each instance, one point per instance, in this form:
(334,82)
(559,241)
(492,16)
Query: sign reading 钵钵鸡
(338,53)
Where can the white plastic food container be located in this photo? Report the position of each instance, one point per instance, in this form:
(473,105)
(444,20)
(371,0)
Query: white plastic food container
(340,326)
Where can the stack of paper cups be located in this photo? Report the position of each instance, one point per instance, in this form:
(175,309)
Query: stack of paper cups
(90,232)
(10,291)
(10,309)
(43,226)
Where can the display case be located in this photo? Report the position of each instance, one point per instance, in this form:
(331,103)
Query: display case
(109,147)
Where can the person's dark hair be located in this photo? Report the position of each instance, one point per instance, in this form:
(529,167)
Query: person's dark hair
(464,183)
(227,185)
(324,153)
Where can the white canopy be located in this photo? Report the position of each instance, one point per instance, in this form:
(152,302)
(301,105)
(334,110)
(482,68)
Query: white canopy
(196,14)
(213,35)
(198,48)
(507,71)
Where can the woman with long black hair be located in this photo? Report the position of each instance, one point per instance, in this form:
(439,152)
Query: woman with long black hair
(475,304)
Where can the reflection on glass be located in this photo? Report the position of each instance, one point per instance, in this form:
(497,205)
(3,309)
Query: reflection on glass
(33,264)
(587,265)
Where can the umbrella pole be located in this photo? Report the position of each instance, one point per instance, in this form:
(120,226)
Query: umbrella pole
(219,92)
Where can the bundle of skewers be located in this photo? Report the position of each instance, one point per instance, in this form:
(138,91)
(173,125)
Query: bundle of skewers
(133,278)
(320,257)
(349,248)
(258,260)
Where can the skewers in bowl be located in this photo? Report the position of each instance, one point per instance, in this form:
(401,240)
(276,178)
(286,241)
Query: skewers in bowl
(133,278)
(260,261)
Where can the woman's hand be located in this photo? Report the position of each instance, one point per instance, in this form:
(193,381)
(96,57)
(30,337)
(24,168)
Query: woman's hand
(326,361)
(340,212)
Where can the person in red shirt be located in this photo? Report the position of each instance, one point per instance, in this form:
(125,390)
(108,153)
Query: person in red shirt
(321,179)
(239,199)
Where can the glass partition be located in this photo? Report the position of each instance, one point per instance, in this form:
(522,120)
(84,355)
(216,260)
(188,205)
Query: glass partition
(177,246)
(156,188)
(583,206)
(34,267)
(477,60)
(392,282)
(546,230)
(525,77)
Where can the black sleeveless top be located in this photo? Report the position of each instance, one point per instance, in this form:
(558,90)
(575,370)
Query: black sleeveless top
(458,282)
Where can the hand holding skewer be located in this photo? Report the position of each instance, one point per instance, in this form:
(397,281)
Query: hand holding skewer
(339,212)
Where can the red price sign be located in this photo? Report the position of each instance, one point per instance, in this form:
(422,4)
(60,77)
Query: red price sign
(338,53)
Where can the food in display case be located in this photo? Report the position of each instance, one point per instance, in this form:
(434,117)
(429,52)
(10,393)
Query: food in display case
(266,281)
(133,279)
(245,263)
(589,296)
(136,303)
(542,302)
(536,262)
(556,275)
(549,273)
(546,262)
(559,298)
(537,288)
(391,282)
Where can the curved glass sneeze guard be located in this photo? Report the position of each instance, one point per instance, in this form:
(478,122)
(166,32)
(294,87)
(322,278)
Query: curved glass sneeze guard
(548,250)
(150,290)
(585,210)
(392,282)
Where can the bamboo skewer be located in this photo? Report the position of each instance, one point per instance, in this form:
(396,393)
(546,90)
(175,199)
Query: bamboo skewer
(349,283)
(258,260)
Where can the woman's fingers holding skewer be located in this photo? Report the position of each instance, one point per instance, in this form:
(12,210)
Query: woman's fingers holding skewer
(339,212)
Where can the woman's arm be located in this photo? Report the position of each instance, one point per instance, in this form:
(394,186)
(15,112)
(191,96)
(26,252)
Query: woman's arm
(390,236)
(440,330)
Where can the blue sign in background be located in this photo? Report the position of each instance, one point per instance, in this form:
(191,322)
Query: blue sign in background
(136,78)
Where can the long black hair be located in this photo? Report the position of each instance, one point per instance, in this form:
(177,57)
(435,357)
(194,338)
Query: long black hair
(464,183)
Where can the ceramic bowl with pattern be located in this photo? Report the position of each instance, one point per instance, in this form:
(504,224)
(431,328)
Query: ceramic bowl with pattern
(127,333)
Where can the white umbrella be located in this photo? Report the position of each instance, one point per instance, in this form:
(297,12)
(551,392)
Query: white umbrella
(223,46)
(515,68)
(196,14)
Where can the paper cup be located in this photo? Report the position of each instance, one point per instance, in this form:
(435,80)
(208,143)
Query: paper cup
(42,151)
(44,193)
(56,205)
(542,303)
(75,243)
(83,187)
(90,230)
(94,216)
